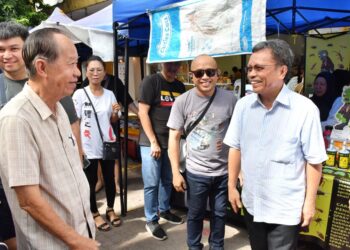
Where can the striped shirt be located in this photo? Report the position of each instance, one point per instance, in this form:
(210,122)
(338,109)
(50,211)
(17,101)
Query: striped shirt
(37,148)
(275,145)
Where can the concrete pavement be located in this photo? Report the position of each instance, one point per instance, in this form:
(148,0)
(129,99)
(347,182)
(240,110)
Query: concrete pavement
(132,235)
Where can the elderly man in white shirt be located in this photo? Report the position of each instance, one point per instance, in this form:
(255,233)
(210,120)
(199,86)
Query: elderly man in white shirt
(275,140)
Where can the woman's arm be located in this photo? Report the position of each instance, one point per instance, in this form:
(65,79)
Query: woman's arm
(115,112)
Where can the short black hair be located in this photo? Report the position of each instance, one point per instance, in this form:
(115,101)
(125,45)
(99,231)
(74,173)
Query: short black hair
(12,29)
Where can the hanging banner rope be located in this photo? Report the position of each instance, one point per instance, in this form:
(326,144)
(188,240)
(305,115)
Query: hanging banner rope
(217,28)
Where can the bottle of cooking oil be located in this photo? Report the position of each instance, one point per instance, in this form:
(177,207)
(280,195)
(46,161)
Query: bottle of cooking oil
(343,157)
(331,153)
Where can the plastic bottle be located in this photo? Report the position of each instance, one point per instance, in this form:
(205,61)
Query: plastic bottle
(331,153)
(343,157)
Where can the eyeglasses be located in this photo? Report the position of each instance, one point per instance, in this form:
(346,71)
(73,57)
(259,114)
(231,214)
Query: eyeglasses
(200,72)
(257,67)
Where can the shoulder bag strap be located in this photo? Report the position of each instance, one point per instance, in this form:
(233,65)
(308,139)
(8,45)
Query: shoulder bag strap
(195,123)
(98,124)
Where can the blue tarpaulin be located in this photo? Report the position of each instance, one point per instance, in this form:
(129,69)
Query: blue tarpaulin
(284,16)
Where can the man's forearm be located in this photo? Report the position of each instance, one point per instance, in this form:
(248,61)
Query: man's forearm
(147,127)
(174,150)
(234,166)
(313,177)
(31,201)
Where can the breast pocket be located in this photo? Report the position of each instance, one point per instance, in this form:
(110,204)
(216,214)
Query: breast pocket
(285,151)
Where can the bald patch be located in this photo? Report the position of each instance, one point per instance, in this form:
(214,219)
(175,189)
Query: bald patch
(203,59)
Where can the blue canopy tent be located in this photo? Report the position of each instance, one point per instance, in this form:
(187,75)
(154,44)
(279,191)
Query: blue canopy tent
(282,16)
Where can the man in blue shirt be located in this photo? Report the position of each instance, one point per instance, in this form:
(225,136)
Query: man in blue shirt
(275,140)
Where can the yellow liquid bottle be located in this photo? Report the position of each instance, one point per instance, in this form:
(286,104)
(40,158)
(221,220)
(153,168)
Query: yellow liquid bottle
(343,157)
(331,153)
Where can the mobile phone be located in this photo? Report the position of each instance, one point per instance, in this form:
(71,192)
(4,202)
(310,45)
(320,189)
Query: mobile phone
(86,162)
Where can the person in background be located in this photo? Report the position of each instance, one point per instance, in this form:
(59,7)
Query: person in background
(35,134)
(206,164)
(118,90)
(324,96)
(12,37)
(236,74)
(157,95)
(275,140)
(107,110)
(342,78)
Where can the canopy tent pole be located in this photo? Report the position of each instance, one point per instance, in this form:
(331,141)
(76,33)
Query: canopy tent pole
(243,74)
(294,9)
(126,122)
(117,125)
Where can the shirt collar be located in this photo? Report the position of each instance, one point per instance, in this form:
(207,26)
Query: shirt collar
(40,106)
(282,98)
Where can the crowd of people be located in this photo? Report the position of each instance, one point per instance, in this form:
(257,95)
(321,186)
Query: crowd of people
(51,139)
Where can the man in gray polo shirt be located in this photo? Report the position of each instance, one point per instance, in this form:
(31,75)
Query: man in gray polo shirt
(206,164)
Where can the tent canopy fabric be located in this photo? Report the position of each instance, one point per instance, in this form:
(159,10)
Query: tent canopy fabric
(95,31)
(308,15)
(284,16)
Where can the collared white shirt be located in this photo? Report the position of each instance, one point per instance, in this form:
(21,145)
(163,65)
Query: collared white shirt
(275,145)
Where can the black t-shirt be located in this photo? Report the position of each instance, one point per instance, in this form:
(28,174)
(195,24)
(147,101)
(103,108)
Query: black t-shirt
(160,95)
(108,83)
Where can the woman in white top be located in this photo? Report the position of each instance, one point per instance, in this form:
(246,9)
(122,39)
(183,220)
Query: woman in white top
(107,110)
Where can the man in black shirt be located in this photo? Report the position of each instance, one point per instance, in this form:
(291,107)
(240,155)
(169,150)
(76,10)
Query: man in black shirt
(157,95)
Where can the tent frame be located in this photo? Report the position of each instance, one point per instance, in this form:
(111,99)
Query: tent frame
(301,30)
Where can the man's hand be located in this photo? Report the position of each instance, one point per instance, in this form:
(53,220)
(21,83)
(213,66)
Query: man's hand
(155,150)
(240,178)
(307,214)
(179,183)
(234,198)
(83,243)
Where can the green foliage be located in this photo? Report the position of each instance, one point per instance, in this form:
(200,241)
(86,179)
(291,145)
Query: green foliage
(27,12)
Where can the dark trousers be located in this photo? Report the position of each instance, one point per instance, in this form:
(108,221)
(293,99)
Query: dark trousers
(264,236)
(108,177)
(199,189)
(7,228)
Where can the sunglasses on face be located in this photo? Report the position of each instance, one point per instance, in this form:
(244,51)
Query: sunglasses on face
(200,72)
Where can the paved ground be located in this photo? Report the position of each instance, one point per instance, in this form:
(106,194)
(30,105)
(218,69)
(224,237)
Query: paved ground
(133,235)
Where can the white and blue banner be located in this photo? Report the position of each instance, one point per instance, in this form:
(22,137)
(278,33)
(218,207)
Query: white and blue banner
(218,28)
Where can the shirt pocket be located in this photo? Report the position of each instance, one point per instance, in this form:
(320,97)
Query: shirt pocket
(285,151)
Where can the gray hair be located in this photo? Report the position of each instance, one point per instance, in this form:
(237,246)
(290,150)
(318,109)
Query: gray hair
(12,29)
(40,44)
(281,51)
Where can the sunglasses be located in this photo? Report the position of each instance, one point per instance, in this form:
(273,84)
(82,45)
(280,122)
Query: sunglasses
(200,72)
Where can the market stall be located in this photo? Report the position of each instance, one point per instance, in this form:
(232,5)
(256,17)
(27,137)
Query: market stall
(330,228)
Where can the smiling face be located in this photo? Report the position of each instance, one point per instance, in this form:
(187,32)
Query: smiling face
(11,60)
(205,84)
(63,73)
(265,75)
(95,72)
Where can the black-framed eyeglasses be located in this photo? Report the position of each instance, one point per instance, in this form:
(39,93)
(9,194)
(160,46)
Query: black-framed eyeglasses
(200,72)
(258,67)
